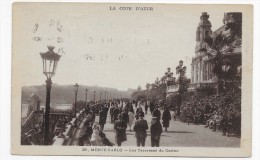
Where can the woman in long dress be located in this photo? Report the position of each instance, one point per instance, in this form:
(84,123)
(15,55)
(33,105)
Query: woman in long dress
(95,138)
(131,116)
(166,118)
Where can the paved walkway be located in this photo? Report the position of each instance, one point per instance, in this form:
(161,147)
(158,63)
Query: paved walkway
(179,134)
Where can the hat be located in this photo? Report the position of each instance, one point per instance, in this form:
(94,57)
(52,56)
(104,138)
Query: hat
(141,114)
(120,116)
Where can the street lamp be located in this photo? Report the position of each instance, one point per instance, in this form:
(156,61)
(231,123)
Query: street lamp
(106,96)
(100,98)
(181,70)
(94,96)
(50,60)
(76,87)
(86,99)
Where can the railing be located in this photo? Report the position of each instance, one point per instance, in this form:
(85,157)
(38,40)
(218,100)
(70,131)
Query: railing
(28,120)
(31,128)
(173,88)
(65,137)
(62,138)
(201,85)
(30,135)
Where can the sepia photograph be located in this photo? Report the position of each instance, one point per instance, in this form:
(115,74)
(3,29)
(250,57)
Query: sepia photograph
(132,79)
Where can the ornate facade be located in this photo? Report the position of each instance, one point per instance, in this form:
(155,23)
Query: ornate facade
(202,67)
(201,70)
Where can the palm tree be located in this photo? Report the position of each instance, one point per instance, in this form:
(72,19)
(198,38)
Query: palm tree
(219,60)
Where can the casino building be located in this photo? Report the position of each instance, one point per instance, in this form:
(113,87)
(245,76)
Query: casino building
(229,47)
(224,43)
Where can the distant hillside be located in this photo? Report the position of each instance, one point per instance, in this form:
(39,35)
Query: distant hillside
(65,94)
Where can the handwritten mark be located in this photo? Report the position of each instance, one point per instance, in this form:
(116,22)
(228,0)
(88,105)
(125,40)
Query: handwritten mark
(51,22)
(57,23)
(36,39)
(89,57)
(59,26)
(59,39)
(104,58)
(36,26)
(61,51)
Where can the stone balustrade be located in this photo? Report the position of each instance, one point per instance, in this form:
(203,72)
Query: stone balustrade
(63,137)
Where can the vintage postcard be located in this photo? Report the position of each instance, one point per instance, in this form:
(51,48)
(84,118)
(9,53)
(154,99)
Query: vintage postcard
(117,79)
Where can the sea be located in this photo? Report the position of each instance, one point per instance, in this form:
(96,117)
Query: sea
(57,106)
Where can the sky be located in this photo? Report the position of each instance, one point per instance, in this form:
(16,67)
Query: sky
(109,48)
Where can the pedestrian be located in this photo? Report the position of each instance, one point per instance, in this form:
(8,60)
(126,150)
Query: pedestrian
(88,132)
(166,118)
(138,110)
(131,106)
(120,128)
(131,116)
(106,108)
(136,103)
(87,110)
(157,113)
(140,128)
(93,114)
(125,116)
(112,108)
(174,115)
(146,107)
(152,106)
(116,113)
(95,138)
(156,131)
(148,103)
(102,118)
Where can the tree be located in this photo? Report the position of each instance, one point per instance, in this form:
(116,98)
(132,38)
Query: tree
(155,94)
(223,69)
(139,96)
(139,88)
(148,86)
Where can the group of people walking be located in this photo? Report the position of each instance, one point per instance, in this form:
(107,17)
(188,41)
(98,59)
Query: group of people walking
(123,115)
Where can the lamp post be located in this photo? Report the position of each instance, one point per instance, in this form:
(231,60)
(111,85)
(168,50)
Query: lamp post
(100,98)
(94,96)
(181,70)
(86,98)
(105,95)
(50,60)
(76,87)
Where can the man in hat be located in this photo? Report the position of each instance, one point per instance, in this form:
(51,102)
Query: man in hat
(140,128)
(147,105)
(112,108)
(152,106)
(125,116)
(102,118)
(157,113)
(138,110)
(120,128)
(156,131)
